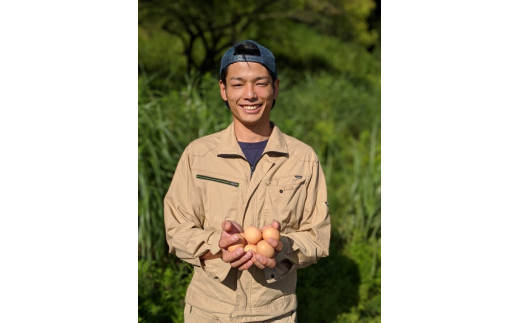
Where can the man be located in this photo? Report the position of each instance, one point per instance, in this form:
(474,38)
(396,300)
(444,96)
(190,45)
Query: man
(250,174)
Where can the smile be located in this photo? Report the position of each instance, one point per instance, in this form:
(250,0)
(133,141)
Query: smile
(251,107)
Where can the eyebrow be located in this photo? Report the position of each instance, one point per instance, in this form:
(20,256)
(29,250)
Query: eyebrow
(258,78)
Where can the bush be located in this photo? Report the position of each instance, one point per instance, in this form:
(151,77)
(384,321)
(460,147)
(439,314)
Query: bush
(162,290)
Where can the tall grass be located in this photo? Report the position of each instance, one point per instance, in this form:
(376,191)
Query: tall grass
(162,290)
(167,123)
(340,119)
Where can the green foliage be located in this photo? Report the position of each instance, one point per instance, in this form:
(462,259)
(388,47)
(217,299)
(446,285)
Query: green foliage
(306,49)
(345,287)
(330,287)
(162,290)
(167,123)
(160,51)
(204,29)
(343,19)
(368,257)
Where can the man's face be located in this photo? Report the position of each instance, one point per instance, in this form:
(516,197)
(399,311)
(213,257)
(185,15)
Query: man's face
(250,93)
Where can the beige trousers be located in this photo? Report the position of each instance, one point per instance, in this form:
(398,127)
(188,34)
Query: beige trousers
(195,315)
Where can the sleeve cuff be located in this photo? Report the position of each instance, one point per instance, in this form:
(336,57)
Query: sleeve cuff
(216,269)
(289,250)
(285,260)
(213,242)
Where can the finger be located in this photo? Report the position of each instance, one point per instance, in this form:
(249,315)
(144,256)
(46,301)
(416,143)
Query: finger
(226,241)
(271,263)
(226,225)
(259,261)
(236,226)
(243,260)
(231,227)
(276,244)
(276,225)
(279,246)
(232,256)
(248,264)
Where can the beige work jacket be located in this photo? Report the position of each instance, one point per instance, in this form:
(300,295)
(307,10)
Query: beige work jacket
(212,183)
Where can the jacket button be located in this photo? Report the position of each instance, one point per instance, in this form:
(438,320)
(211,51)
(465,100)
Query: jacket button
(281,191)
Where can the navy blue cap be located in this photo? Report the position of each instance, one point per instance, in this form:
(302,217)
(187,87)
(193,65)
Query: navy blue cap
(266,58)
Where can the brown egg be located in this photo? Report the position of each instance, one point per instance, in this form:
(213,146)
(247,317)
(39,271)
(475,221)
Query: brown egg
(270,232)
(240,243)
(252,234)
(251,247)
(265,249)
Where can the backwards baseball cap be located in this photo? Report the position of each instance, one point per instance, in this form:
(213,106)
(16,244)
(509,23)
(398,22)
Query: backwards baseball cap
(265,58)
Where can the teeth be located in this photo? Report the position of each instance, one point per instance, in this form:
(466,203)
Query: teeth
(250,107)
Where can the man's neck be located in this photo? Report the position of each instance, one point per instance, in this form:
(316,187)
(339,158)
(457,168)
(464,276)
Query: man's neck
(252,134)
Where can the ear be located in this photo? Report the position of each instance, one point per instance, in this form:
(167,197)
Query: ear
(222,90)
(276,88)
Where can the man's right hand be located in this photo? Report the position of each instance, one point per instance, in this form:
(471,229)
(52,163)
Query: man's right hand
(237,258)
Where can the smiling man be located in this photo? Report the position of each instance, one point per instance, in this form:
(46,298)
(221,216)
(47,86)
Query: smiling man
(250,174)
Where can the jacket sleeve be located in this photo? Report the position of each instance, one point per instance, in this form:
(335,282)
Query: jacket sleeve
(184,219)
(305,246)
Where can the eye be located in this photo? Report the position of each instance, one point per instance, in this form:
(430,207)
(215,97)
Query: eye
(236,85)
(261,84)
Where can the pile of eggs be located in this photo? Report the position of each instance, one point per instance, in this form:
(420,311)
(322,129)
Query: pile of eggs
(254,239)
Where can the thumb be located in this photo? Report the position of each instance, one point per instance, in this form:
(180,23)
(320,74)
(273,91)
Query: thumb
(226,225)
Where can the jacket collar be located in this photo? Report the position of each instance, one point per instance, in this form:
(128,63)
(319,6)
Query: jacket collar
(228,145)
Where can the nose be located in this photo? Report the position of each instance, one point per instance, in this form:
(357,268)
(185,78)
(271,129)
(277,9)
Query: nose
(250,93)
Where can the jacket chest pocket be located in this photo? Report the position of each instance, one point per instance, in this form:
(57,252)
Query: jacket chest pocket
(285,201)
(221,196)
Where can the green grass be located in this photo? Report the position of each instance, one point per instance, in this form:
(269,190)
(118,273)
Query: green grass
(162,290)
(167,123)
